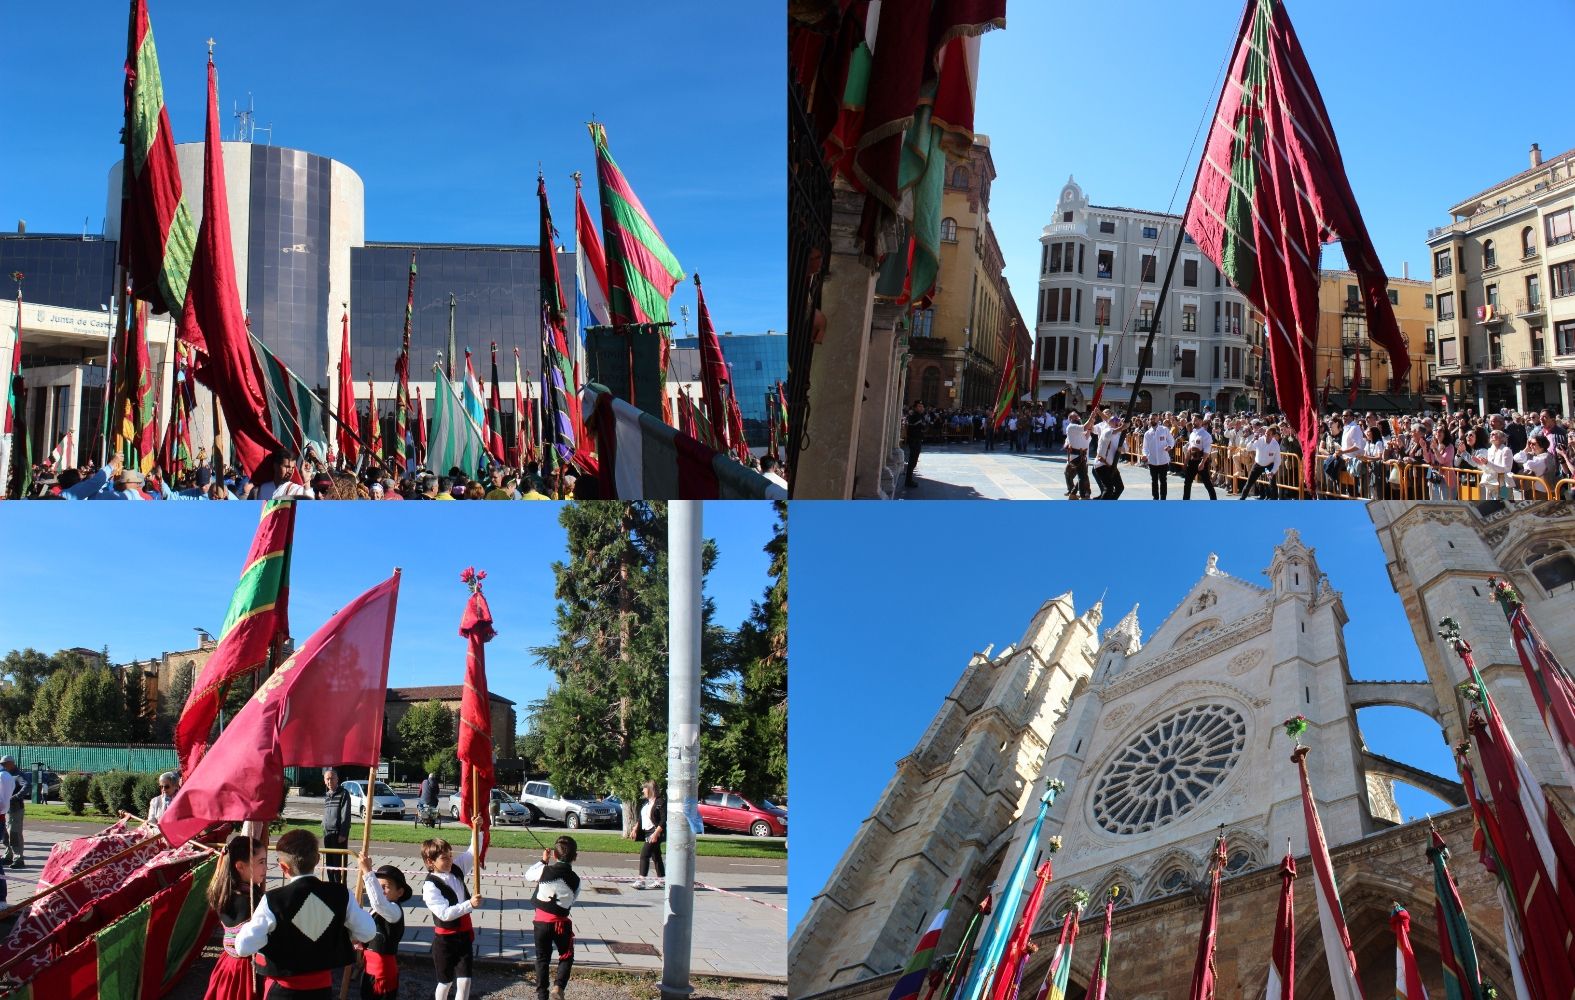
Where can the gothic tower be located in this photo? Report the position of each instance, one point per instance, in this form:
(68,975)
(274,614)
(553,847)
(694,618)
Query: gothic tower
(951,806)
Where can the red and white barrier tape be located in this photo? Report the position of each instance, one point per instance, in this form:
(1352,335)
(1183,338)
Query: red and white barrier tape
(413,876)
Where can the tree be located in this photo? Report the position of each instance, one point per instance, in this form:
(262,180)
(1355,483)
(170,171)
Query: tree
(426,731)
(24,672)
(603,725)
(173,702)
(138,727)
(38,726)
(92,710)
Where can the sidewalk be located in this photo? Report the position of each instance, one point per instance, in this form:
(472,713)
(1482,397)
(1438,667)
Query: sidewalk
(968,472)
(739,932)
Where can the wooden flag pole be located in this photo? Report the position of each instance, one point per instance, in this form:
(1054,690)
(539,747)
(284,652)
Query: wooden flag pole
(475,833)
(366,845)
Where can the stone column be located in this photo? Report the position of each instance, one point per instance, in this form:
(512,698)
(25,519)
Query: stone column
(1520,392)
(826,463)
(77,443)
(1481,384)
(877,402)
(1564,394)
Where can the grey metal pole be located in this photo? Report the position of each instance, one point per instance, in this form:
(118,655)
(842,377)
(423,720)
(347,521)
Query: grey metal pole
(683,741)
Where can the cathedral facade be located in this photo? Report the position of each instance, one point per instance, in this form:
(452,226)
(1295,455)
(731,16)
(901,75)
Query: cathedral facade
(1163,743)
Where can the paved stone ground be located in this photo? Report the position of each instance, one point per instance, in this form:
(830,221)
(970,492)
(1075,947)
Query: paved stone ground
(968,472)
(616,926)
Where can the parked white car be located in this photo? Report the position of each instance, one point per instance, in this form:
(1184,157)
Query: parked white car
(505,808)
(385,804)
(544,802)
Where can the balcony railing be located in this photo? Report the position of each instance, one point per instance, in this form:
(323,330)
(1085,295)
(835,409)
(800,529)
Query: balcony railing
(1528,307)
(1154,376)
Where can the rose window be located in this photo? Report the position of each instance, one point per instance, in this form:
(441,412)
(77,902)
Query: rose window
(1175,764)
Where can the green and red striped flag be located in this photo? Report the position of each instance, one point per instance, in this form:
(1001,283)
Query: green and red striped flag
(497,446)
(402,367)
(14,439)
(158,238)
(1550,683)
(1006,392)
(374,452)
(1101,362)
(563,424)
(1059,976)
(1457,949)
(1345,980)
(296,414)
(1282,961)
(136,433)
(641,271)
(918,968)
(1101,980)
(258,618)
(1270,191)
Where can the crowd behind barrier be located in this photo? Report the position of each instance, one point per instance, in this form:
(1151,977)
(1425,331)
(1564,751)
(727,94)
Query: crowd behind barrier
(1433,455)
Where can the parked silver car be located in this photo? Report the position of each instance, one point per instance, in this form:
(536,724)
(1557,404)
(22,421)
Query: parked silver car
(544,802)
(385,803)
(505,808)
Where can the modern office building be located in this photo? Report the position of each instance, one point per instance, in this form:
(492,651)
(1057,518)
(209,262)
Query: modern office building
(302,260)
(1100,269)
(758,362)
(1504,290)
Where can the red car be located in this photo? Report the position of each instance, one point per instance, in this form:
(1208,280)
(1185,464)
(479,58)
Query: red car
(727,810)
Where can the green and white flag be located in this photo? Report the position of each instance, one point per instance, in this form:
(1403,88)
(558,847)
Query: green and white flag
(457,438)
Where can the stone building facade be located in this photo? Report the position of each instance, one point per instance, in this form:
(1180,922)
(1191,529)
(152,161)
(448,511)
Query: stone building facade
(1344,343)
(1100,271)
(1504,290)
(1162,743)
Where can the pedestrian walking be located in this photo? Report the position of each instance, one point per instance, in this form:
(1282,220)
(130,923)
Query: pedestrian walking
(22,786)
(1157,442)
(1076,459)
(915,439)
(651,829)
(1199,444)
(1105,459)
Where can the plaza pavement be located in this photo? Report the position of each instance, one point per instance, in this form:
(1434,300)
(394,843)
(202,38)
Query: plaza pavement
(739,933)
(968,472)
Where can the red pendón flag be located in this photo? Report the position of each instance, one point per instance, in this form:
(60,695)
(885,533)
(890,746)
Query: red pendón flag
(713,373)
(349,418)
(1203,969)
(323,706)
(475,714)
(1270,191)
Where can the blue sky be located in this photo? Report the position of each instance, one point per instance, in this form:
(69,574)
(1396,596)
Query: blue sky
(1113,92)
(139,579)
(445,112)
(938,582)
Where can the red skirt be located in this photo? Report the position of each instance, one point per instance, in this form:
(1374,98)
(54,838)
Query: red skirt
(232,979)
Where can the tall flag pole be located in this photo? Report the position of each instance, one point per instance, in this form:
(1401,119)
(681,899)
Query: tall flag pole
(1101,981)
(524,435)
(641,271)
(1551,684)
(961,960)
(993,943)
(158,239)
(1282,963)
(1408,978)
(175,451)
(456,436)
(1457,949)
(349,418)
(918,968)
(258,618)
(1203,984)
(421,430)
(497,447)
(590,266)
(452,351)
(136,432)
(375,419)
(1103,362)
(564,434)
(1006,391)
(713,371)
(214,323)
(1270,191)
(298,416)
(1356,375)
(475,716)
(1489,852)
(1345,980)
(402,368)
(15,394)
(1058,976)
(1533,848)
(1017,950)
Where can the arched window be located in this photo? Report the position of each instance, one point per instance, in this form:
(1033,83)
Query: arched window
(948,230)
(1239,860)
(1553,567)
(1176,881)
(1489,255)
(930,387)
(1528,242)
(960,178)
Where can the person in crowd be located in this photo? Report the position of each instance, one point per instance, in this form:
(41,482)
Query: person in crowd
(1498,463)
(1076,459)
(557,887)
(1264,450)
(298,963)
(1199,445)
(651,831)
(16,811)
(336,823)
(386,895)
(1157,443)
(915,439)
(238,882)
(451,904)
(168,784)
(1105,459)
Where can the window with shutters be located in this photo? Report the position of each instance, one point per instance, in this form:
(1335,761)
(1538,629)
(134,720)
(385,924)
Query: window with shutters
(1561,227)
(1101,312)
(1189,273)
(1189,319)
(1148,267)
(948,230)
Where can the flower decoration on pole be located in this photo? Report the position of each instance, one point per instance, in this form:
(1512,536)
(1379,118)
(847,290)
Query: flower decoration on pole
(1080,897)
(473,577)
(1449,631)
(17,276)
(1294,727)
(1053,787)
(1115,893)
(1504,593)
(1055,844)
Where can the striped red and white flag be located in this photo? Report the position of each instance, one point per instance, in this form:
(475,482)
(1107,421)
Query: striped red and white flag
(1282,964)
(1344,979)
(63,453)
(1408,978)
(1550,683)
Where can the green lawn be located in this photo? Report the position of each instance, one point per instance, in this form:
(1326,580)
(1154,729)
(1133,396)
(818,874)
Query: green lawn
(407,833)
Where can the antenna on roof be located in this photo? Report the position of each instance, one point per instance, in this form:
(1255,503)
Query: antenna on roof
(246,127)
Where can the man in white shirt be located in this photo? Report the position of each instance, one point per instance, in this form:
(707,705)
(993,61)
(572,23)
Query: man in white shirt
(1157,442)
(1350,447)
(1076,459)
(1265,449)
(1199,443)
(1105,460)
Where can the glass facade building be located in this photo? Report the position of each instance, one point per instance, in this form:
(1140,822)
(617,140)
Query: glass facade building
(287,256)
(758,362)
(497,297)
(74,272)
